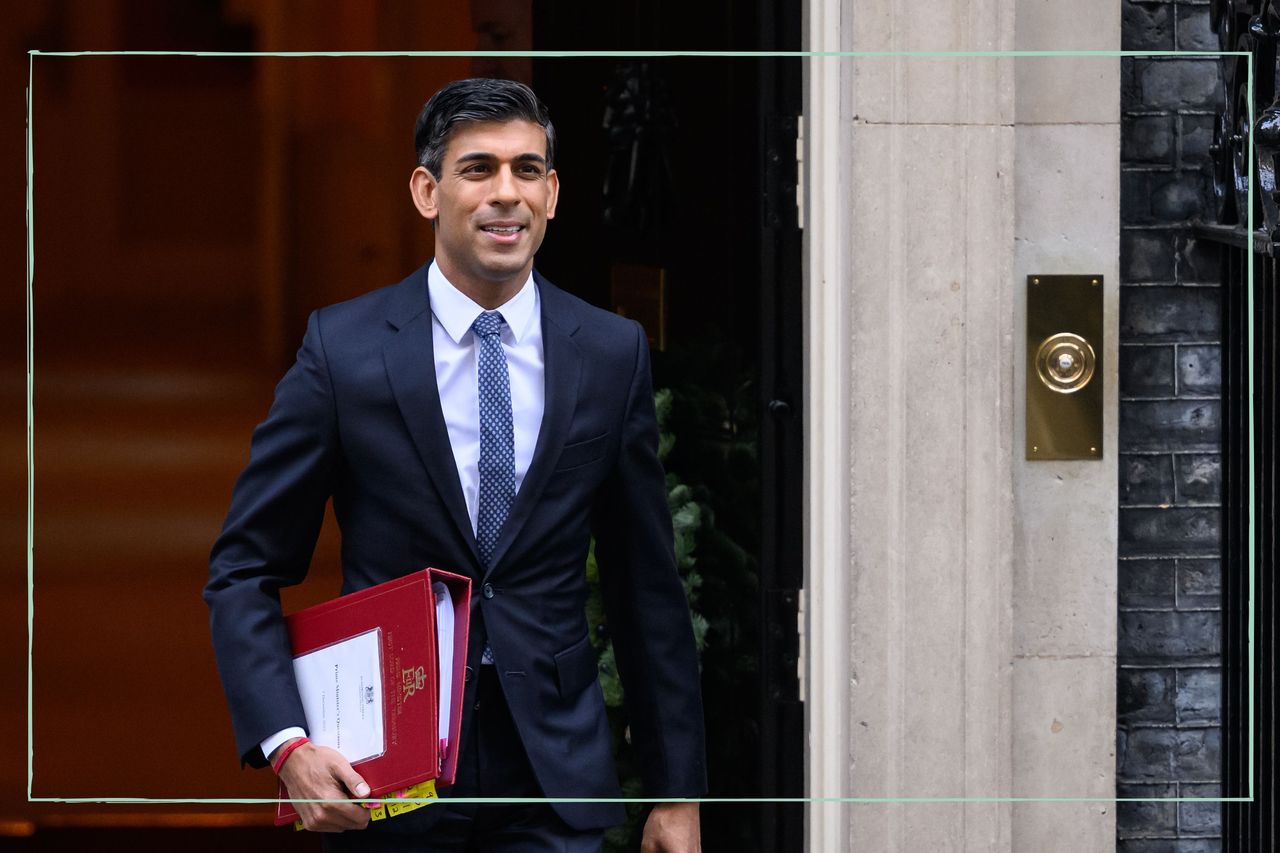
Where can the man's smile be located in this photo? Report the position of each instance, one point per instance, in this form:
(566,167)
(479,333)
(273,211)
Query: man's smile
(503,232)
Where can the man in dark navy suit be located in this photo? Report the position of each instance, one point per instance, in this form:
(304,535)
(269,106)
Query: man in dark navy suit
(475,418)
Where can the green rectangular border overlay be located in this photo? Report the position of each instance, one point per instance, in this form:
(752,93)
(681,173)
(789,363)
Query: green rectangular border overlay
(538,54)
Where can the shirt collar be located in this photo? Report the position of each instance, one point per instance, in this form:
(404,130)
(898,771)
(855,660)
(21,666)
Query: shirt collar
(456,311)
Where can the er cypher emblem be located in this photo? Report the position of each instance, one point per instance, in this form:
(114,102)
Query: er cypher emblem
(414,680)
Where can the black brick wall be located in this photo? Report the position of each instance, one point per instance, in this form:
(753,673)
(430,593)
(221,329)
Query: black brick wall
(1168,699)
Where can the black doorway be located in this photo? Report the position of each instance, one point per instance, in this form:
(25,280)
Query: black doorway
(678,207)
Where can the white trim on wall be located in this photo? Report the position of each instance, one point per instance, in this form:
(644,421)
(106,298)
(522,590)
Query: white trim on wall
(826,632)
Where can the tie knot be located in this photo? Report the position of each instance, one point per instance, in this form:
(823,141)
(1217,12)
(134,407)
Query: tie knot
(488,324)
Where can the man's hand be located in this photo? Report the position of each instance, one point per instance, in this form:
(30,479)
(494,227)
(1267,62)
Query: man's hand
(672,828)
(316,772)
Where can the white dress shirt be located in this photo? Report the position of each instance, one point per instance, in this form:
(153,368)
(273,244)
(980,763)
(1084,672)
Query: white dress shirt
(457,353)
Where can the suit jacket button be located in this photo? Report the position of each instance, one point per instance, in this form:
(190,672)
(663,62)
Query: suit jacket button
(487,590)
(466,674)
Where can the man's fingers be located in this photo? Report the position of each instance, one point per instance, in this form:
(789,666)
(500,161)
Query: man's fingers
(348,814)
(334,816)
(320,773)
(350,779)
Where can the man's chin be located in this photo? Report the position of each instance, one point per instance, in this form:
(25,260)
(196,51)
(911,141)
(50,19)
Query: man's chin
(502,268)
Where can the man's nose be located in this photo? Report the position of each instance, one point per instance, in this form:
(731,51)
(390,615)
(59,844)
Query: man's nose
(503,189)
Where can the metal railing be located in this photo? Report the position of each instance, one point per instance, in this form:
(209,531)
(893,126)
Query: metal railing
(1248,415)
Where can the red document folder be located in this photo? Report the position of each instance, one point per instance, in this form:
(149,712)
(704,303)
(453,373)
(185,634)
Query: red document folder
(401,615)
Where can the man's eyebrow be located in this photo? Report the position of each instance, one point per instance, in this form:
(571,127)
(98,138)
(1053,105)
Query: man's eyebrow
(475,156)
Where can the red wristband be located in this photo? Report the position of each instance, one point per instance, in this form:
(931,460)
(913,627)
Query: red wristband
(286,752)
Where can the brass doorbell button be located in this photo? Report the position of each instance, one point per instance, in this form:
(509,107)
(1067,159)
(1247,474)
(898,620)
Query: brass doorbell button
(1064,380)
(1065,362)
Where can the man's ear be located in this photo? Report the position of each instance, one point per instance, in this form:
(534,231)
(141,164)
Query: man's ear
(423,187)
(553,193)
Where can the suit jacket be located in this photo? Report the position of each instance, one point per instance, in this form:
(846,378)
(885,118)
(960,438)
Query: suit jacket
(357,418)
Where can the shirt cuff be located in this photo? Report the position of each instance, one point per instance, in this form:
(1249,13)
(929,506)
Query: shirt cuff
(269,745)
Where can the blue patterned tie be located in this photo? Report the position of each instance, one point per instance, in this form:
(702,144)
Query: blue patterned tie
(497,440)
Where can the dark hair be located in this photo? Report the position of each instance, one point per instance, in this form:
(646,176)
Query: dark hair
(474,100)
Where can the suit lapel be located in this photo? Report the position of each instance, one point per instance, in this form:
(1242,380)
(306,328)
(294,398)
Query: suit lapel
(410,361)
(562,369)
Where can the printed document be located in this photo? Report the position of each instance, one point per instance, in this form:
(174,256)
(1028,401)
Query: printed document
(341,690)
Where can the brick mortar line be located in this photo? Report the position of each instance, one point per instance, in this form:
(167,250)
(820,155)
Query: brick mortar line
(1172,663)
(1183,556)
(1175,609)
(1122,836)
(1171,112)
(1120,781)
(1176,391)
(1154,169)
(1175,505)
(1192,726)
(1167,452)
(1179,224)
(1167,666)
(1184,225)
(1176,398)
